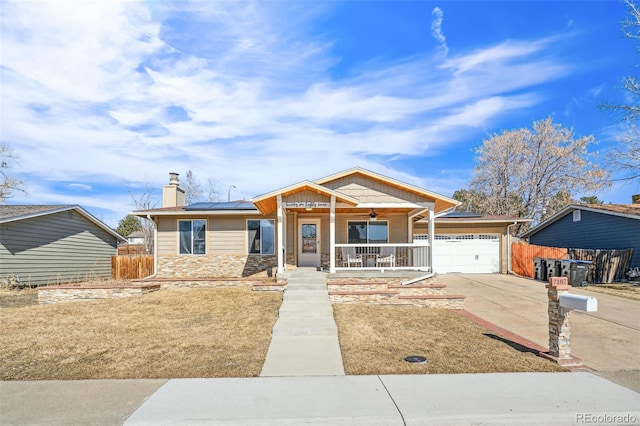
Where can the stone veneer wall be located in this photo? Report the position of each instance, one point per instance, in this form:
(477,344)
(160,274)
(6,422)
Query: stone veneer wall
(69,293)
(213,266)
(426,293)
(258,283)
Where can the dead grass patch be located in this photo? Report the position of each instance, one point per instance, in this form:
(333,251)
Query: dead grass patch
(166,334)
(376,339)
(18,298)
(628,291)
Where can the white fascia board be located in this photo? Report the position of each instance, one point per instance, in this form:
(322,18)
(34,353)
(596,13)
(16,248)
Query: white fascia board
(424,206)
(200,213)
(609,212)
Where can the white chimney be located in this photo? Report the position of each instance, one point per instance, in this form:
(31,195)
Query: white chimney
(172,194)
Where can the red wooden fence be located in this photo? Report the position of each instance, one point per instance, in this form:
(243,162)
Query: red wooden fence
(522,257)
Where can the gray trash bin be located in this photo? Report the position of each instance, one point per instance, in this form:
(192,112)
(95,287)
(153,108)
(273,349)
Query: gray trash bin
(564,267)
(578,271)
(539,269)
(553,268)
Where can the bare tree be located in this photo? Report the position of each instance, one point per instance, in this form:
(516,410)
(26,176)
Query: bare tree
(213,194)
(626,155)
(531,172)
(8,183)
(146,199)
(192,188)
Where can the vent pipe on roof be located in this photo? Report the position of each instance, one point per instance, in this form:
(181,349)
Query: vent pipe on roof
(173,179)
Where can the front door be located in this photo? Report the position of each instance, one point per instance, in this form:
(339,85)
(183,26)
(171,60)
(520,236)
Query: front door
(309,242)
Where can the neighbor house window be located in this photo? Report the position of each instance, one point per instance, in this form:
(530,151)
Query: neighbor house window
(368,232)
(576,216)
(262,236)
(193,236)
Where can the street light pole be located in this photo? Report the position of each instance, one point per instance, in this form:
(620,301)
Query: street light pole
(229,192)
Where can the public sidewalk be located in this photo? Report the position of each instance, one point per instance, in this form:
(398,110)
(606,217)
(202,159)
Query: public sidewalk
(458,399)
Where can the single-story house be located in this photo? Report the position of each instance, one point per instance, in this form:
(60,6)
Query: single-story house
(352,220)
(136,237)
(47,244)
(592,226)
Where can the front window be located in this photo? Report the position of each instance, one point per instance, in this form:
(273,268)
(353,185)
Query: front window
(193,236)
(262,236)
(368,232)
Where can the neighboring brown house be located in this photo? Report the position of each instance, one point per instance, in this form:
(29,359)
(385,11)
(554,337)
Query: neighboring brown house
(352,220)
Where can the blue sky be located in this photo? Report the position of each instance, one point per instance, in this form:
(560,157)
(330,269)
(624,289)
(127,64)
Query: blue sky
(100,97)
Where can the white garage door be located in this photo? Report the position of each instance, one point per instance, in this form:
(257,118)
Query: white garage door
(469,253)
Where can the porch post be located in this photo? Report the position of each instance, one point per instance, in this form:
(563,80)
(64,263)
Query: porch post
(279,239)
(332,235)
(432,231)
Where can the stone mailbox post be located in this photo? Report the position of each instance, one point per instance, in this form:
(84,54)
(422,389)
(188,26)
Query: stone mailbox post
(560,305)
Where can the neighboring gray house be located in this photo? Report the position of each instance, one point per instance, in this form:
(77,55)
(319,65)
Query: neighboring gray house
(592,226)
(45,244)
(136,237)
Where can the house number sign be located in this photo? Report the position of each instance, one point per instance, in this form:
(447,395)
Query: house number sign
(307,204)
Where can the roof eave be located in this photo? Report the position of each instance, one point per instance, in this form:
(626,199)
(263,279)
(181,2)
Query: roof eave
(145,213)
(76,207)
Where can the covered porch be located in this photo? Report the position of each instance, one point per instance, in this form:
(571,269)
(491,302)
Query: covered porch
(353,221)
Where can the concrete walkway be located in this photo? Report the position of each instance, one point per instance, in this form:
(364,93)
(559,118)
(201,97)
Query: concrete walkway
(304,339)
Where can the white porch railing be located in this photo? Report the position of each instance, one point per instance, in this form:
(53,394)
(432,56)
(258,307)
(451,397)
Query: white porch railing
(411,256)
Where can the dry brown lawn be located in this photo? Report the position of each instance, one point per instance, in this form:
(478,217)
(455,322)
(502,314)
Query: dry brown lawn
(628,291)
(376,339)
(169,333)
(18,298)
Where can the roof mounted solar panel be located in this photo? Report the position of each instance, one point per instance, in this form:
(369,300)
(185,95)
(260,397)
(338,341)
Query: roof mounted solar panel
(221,206)
(461,215)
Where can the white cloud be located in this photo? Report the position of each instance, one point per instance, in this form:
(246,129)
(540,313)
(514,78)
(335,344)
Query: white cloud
(86,87)
(436,30)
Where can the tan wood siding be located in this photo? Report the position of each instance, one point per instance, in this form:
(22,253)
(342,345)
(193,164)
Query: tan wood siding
(60,247)
(167,235)
(228,235)
(370,191)
(305,196)
(225,234)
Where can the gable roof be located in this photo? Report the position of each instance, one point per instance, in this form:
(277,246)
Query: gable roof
(15,213)
(267,203)
(441,202)
(630,211)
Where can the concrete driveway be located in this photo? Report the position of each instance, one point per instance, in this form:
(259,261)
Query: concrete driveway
(607,340)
